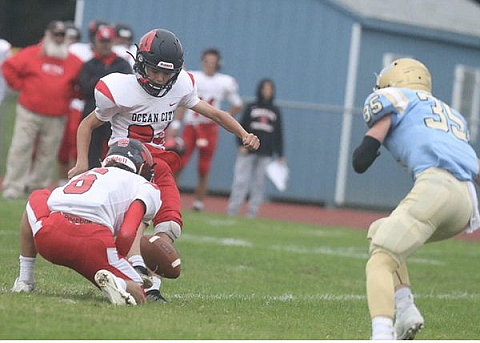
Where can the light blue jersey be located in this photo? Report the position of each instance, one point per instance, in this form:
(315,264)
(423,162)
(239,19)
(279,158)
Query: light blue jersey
(425,132)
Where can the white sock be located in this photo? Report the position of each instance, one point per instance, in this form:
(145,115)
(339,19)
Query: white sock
(156,284)
(137,260)
(382,327)
(403,297)
(120,283)
(27,269)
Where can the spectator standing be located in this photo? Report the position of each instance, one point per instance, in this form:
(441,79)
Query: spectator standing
(104,62)
(263,119)
(84,51)
(45,76)
(200,132)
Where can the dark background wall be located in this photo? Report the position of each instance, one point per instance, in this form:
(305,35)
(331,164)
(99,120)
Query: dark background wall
(22,22)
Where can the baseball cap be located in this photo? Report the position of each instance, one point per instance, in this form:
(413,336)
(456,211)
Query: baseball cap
(124,31)
(105,33)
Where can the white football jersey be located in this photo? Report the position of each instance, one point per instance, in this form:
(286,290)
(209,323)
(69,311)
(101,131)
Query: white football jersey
(82,50)
(103,195)
(134,113)
(213,89)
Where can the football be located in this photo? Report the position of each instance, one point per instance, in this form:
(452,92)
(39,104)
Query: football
(160,256)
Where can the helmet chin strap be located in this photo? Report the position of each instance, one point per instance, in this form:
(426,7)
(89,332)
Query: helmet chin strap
(164,89)
(157,90)
(128,52)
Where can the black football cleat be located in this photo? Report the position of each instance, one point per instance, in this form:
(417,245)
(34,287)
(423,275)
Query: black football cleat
(154,295)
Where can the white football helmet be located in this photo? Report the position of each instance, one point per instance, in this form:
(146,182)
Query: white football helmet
(405,73)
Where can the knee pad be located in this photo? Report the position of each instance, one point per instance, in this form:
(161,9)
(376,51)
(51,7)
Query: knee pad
(170,228)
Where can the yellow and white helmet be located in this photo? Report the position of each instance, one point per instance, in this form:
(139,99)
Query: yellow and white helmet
(405,73)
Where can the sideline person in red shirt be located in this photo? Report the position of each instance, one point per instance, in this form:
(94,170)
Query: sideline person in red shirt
(45,75)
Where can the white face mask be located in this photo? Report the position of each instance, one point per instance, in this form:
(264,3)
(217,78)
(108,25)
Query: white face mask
(52,49)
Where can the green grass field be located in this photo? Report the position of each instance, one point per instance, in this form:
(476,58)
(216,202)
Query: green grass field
(243,279)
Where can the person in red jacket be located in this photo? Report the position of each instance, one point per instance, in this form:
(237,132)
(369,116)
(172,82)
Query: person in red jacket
(45,75)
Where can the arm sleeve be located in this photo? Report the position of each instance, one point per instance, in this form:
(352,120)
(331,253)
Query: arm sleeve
(128,230)
(365,154)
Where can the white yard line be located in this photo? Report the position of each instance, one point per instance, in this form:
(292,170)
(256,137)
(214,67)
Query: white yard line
(227,241)
(222,222)
(313,297)
(350,252)
(283,297)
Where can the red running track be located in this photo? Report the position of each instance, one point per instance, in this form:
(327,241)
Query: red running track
(311,214)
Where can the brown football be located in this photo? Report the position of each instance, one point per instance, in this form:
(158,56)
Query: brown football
(160,256)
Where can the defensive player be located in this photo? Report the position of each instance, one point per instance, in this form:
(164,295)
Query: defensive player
(75,225)
(142,106)
(200,132)
(431,140)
